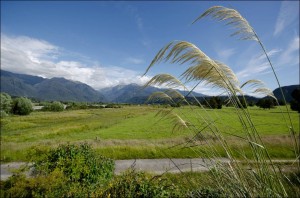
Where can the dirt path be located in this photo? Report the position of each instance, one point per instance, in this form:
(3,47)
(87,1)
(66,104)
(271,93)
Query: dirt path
(155,166)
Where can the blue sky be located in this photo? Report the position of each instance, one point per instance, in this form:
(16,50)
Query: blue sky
(104,43)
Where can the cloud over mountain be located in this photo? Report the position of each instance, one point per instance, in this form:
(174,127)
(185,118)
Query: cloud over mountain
(26,55)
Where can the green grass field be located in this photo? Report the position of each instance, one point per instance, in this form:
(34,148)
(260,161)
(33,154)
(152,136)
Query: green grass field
(135,131)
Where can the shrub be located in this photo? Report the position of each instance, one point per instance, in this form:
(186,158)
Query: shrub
(140,184)
(79,163)
(5,103)
(66,171)
(54,106)
(22,106)
(41,186)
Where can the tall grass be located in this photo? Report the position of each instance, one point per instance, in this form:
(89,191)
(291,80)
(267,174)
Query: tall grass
(262,178)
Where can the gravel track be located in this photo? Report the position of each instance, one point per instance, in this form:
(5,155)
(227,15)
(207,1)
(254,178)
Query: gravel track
(155,166)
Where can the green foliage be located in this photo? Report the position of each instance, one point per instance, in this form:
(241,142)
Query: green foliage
(207,192)
(176,104)
(54,106)
(295,103)
(3,114)
(77,106)
(76,171)
(5,104)
(140,184)
(22,106)
(295,106)
(251,103)
(40,186)
(79,163)
(281,102)
(214,102)
(267,103)
(67,171)
(242,103)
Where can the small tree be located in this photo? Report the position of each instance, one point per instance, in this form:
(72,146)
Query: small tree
(219,102)
(5,103)
(295,103)
(265,103)
(214,102)
(242,103)
(281,102)
(54,106)
(251,103)
(22,106)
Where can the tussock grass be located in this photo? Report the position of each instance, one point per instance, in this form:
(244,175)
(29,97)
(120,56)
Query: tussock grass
(261,179)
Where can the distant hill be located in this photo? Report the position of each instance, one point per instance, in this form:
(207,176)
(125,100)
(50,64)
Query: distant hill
(55,89)
(133,93)
(287,91)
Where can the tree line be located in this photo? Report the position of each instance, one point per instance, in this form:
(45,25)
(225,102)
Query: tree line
(216,102)
(24,106)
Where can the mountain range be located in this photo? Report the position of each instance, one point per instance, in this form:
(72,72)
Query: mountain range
(54,89)
(133,93)
(61,89)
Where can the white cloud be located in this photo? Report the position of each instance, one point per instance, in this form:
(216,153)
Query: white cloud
(140,25)
(133,11)
(290,56)
(257,65)
(289,11)
(281,59)
(31,56)
(225,54)
(139,22)
(270,53)
(135,61)
(209,91)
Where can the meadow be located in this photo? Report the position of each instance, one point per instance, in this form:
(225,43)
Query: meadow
(136,132)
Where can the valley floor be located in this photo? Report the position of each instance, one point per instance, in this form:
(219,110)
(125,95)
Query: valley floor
(136,132)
